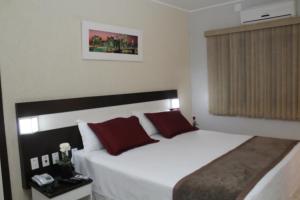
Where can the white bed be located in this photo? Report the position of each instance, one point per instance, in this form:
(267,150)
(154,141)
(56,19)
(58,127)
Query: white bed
(150,172)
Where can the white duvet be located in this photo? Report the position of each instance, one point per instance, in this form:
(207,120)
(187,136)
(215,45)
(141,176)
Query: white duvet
(150,172)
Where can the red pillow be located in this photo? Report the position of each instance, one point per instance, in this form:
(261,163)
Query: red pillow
(121,134)
(170,124)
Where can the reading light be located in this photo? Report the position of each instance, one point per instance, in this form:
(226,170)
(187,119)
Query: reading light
(175,104)
(28,125)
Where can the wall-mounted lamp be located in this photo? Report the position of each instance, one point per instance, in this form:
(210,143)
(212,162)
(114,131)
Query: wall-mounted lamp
(175,104)
(28,125)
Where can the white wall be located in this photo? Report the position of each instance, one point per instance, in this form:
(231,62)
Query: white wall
(1,185)
(40,56)
(215,18)
(252,3)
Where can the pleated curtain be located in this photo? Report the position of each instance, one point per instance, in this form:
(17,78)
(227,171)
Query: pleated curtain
(255,73)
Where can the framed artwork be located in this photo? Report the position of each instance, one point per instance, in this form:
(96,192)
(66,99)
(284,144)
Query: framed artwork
(107,42)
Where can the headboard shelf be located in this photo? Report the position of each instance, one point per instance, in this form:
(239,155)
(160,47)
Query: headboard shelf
(66,105)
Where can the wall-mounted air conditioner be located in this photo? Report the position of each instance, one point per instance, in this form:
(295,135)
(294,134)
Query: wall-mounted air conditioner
(267,12)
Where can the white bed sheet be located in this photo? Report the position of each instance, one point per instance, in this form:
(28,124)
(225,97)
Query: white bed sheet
(151,172)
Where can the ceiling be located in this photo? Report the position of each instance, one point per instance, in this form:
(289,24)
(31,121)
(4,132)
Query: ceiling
(195,5)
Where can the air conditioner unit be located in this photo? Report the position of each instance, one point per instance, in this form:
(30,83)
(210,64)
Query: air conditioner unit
(267,12)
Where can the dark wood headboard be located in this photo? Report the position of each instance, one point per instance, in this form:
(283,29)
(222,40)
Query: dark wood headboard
(47,142)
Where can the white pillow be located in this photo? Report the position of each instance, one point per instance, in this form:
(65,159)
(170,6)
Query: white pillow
(146,123)
(89,139)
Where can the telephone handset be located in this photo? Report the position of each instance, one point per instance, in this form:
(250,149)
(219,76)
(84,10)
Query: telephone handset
(43,179)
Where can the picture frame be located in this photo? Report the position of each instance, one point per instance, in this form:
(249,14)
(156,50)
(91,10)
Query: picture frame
(108,42)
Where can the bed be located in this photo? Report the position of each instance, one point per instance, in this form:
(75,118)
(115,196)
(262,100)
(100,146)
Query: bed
(151,172)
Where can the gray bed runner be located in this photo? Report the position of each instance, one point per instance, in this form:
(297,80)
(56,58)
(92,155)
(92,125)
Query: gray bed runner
(233,175)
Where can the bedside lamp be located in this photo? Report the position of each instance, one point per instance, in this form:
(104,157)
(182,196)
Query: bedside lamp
(175,104)
(28,125)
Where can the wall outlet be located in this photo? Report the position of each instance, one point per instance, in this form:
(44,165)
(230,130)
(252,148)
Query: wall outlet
(34,163)
(55,158)
(45,160)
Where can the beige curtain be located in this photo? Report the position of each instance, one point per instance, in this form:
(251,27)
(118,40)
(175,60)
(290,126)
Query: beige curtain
(255,73)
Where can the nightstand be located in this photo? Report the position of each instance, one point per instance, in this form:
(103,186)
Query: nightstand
(63,191)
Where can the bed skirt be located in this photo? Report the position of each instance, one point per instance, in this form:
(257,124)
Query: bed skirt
(97,196)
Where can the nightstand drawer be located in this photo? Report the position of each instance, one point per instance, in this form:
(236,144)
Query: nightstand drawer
(81,192)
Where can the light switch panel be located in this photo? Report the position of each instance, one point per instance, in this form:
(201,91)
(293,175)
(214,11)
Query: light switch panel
(55,158)
(45,160)
(34,163)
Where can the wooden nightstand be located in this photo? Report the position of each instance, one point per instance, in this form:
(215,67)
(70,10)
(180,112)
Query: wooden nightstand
(63,191)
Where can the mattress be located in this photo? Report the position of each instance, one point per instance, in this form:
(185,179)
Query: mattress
(150,172)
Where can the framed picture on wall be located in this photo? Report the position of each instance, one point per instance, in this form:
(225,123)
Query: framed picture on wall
(107,42)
